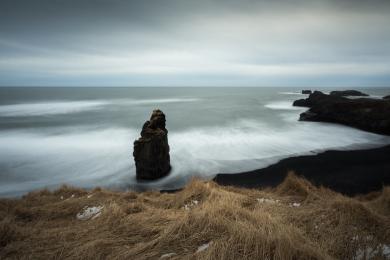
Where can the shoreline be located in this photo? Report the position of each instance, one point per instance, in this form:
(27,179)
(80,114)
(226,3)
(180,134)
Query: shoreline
(349,172)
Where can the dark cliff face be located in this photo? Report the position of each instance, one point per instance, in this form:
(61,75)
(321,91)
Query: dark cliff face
(344,93)
(316,98)
(151,150)
(366,114)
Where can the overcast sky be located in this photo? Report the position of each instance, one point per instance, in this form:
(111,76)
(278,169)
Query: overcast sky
(194,43)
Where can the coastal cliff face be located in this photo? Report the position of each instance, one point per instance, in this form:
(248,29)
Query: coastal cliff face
(363,113)
(151,150)
(318,98)
(344,93)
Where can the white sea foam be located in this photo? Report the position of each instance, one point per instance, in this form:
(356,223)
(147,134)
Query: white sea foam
(290,93)
(376,96)
(158,101)
(86,158)
(68,107)
(283,105)
(90,158)
(249,139)
(49,108)
(367,97)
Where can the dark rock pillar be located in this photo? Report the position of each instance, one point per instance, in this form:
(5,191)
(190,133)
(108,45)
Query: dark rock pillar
(151,150)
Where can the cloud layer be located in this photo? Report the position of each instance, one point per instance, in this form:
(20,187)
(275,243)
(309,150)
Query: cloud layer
(194,43)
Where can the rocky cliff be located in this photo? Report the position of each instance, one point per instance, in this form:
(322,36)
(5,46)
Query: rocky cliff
(151,150)
(363,113)
(344,93)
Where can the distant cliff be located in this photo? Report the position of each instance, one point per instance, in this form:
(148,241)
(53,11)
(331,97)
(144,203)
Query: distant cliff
(364,113)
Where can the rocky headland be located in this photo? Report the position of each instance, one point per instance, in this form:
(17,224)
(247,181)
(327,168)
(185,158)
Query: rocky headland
(364,113)
(348,172)
(151,150)
(345,93)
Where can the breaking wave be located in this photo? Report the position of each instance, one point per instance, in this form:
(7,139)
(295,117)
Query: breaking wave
(68,107)
(49,108)
(290,93)
(283,105)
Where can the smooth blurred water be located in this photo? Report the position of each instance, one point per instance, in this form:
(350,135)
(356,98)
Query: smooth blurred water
(84,136)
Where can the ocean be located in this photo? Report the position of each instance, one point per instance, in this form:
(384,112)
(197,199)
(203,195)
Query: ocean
(84,136)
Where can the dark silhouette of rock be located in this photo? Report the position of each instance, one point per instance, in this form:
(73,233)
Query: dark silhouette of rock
(387,97)
(344,93)
(363,113)
(300,103)
(317,97)
(306,91)
(151,150)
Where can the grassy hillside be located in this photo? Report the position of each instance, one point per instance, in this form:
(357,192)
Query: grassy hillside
(203,221)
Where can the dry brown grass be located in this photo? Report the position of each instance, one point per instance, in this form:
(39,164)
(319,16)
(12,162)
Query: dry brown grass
(237,225)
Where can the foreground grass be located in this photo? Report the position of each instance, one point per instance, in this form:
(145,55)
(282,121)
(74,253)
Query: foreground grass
(293,221)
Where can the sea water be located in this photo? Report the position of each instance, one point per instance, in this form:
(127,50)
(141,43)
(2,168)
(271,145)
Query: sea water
(84,136)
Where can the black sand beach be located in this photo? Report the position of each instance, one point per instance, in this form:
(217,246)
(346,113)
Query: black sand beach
(348,172)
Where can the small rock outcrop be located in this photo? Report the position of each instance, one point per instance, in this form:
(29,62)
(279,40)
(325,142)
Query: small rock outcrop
(306,91)
(363,113)
(387,97)
(345,93)
(151,150)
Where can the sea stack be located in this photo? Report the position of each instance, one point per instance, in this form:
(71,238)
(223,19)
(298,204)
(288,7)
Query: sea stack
(151,150)
(306,91)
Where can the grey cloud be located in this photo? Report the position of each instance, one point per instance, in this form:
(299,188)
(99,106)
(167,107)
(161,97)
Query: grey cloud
(172,40)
